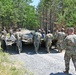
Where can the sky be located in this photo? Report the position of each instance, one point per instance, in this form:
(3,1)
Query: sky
(35,2)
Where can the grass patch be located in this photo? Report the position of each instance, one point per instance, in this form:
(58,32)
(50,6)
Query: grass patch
(8,67)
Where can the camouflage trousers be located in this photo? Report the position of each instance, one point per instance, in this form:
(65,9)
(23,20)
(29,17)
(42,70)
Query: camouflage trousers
(19,45)
(3,45)
(60,45)
(48,45)
(67,58)
(36,46)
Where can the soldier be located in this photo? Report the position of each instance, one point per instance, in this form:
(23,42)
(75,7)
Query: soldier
(60,37)
(48,38)
(54,41)
(11,31)
(70,49)
(4,31)
(18,37)
(12,38)
(3,43)
(43,33)
(37,40)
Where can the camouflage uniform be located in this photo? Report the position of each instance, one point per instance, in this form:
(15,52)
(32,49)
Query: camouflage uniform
(3,43)
(60,37)
(18,37)
(48,38)
(70,50)
(37,40)
(11,31)
(54,41)
(4,32)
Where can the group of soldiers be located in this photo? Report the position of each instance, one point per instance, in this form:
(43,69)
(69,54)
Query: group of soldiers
(65,41)
(14,36)
(57,38)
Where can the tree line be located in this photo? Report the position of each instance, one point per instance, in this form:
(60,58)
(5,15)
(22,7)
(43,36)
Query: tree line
(56,13)
(18,13)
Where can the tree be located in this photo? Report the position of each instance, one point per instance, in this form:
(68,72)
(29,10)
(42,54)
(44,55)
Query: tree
(18,13)
(61,12)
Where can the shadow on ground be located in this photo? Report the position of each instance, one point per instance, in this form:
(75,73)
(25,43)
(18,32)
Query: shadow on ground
(59,73)
(29,49)
(12,49)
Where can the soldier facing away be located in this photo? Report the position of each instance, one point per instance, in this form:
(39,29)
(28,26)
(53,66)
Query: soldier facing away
(37,40)
(18,37)
(70,49)
(60,37)
(48,38)
(54,41)
(3,38)
(11,31)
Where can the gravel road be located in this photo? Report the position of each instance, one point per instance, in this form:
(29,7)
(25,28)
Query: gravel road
(42,63)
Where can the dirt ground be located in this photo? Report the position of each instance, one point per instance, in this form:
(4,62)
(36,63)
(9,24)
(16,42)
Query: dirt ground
(43,63)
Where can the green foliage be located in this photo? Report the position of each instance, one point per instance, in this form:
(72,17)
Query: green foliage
(63,12)
(18,13)
(11,67)
(8,67)
(69,8)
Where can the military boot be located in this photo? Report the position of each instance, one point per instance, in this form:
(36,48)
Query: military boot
(66,71)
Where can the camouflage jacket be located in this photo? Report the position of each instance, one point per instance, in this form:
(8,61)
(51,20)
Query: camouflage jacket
(49,37)
(70,43)
(60,36)
(18,35)
(37,36)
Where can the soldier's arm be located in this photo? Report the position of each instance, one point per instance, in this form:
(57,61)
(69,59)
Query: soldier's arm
(52,37)
(21,35)
(46,37)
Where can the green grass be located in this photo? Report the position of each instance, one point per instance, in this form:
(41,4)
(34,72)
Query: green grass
(8,67)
